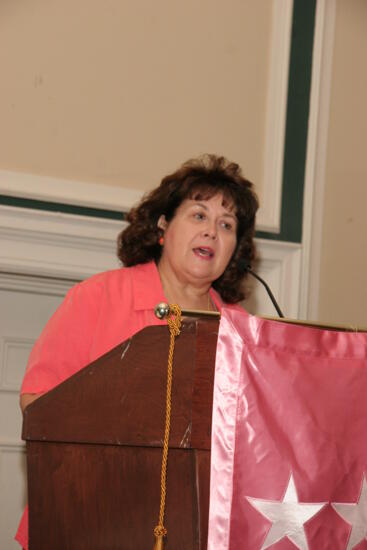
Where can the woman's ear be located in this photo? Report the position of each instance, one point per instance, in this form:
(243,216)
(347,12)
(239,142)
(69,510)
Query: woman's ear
(162,222)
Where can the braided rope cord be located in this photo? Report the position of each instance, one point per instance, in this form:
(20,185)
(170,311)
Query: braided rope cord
(174,325)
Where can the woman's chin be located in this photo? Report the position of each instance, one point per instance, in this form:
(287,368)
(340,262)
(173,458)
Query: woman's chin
(201,274)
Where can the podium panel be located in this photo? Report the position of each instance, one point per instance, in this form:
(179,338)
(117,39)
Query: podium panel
(107,497)
(94,447)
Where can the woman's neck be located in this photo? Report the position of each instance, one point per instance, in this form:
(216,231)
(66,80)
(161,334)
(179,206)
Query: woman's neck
(185,295)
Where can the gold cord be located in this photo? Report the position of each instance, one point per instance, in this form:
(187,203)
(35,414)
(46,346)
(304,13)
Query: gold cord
(174,325)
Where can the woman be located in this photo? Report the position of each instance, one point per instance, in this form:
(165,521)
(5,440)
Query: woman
(182,246)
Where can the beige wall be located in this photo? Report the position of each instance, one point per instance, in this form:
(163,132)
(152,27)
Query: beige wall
(120,93)
(343,290)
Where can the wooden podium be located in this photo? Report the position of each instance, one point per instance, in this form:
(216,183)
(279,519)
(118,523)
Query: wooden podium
(94,447)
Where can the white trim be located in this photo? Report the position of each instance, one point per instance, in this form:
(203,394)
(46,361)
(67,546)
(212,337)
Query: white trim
(37,285)
(268,218)
(279,264)
(12,445)
(44,188)
(51,244)
(8,343)
(47,244)
(317,156)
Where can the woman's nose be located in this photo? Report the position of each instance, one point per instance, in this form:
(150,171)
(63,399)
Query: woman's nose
(211,231)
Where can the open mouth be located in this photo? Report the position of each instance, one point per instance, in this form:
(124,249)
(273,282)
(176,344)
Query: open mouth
(204,252)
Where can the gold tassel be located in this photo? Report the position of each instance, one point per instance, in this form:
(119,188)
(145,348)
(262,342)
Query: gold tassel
(158,545)
(159,532)
(174,324)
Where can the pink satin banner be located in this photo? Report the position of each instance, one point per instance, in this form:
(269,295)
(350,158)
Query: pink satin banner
(289,446)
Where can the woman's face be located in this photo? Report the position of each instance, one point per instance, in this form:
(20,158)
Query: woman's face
(199,241)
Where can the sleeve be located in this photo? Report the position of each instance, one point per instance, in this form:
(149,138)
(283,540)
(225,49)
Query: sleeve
(64,344)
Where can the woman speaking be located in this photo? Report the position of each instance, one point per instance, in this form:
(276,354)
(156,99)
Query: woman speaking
(182,245)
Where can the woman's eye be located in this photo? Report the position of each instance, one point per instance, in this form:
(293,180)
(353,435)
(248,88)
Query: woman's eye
(227,226)
(199,216)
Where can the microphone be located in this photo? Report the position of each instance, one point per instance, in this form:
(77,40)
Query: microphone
(245,266)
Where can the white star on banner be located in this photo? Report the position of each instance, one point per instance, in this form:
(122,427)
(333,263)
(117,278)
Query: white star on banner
(356,515)
(287,516)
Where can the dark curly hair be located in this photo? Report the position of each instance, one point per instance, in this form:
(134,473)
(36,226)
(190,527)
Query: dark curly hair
(198,179)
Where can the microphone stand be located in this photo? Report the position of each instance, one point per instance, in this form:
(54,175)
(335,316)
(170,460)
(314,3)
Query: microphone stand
(244,266)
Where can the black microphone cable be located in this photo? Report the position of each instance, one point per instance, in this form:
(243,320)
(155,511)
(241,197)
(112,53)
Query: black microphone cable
(246,268)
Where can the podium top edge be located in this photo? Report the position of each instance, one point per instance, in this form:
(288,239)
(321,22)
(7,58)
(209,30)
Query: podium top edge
(200,313)
(316,324)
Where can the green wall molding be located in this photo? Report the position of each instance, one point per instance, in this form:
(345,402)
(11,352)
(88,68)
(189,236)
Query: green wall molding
(61,207)
(298,104)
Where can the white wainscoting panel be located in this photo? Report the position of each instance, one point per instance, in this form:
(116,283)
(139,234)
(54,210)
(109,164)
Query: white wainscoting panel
(12,492)
(279,264)
(15,354)
(27,302)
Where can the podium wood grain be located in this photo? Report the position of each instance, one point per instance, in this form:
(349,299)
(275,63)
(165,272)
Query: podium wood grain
(94,447)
